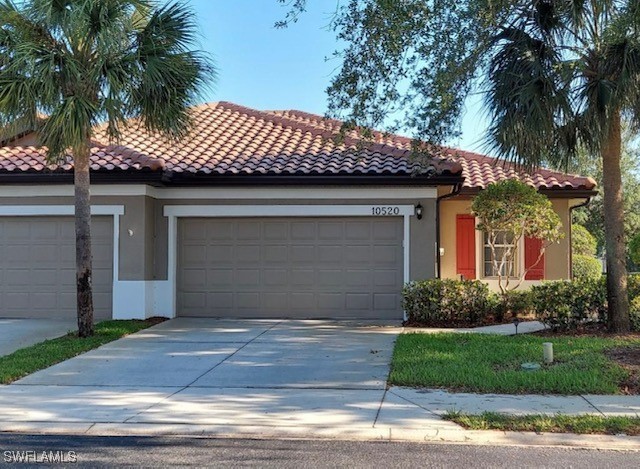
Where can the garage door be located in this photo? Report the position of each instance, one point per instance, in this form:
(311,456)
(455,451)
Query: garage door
(37,267)
(284,267)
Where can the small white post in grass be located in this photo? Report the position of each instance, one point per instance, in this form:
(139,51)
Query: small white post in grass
(547,351)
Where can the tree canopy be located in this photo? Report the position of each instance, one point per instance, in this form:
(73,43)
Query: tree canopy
(512,210)
(68,65)
(83,62)
(555,75)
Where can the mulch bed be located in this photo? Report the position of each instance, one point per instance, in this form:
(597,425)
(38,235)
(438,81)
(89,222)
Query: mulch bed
(487,321)
(155,320)
(588,330)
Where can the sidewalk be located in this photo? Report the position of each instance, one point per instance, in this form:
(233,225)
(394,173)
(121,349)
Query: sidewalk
(371,413)
(403,414)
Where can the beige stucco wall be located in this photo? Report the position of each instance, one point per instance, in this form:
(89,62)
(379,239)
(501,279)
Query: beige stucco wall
(557,260)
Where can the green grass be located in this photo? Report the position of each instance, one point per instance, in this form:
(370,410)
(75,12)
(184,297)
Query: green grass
(36,357)
(491,364)
(582,424)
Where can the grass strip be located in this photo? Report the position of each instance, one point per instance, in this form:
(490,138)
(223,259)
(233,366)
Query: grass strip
(580,424)
(45,354)
(483,363)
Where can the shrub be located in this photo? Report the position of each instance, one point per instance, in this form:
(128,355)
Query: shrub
(586,267)
(582,242)
(634,249)
(438,302)
(516,303)
(634,301)
(568,304)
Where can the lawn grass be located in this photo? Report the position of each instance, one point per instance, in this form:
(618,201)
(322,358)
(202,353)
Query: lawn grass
(36,357)
(582,424)
(491,364)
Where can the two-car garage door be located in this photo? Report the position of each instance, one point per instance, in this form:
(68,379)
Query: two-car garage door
(37,268)
(343,267)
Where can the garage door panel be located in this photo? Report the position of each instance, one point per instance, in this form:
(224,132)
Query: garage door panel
(384,301)
(385,231)
(221,300)
(385,278)
(276,277)
(38,266)
(197,255)
(330,231)
(331,301)
(329,277)
(304,253)
(291,267)
(248,230)
(247,277)
(303,231)
(219,253)
(247,300)
(358,278)
(276,231)
(219,277)
(358,301)
(278,254)
(302,277)
(358,230)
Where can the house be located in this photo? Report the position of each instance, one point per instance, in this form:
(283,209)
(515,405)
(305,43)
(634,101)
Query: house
(256,214)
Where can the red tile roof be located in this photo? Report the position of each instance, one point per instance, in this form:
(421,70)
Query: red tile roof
(228,139)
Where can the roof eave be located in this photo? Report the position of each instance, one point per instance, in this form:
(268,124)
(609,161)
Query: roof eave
(551,192)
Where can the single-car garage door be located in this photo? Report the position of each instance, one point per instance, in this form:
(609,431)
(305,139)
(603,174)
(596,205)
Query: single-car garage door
(37,267)
(290,267)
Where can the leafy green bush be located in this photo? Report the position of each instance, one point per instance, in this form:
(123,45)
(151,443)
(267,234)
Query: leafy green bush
(585,267)
(438,302)
(583,243)
(568,304)
(634,301)
(516,303)
(634,249)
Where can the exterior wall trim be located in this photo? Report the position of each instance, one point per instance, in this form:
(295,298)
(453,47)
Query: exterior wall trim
(227,193)
(173,212)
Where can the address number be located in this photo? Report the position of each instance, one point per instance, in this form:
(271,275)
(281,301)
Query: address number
(385,211)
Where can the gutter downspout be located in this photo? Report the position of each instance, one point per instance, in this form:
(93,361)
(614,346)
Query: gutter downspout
(571,209)
(455,191)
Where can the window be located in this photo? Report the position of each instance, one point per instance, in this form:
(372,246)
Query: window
(503,242)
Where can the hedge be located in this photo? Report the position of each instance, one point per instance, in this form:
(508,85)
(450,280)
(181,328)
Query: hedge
(446,302)
(586,267)
(559,304)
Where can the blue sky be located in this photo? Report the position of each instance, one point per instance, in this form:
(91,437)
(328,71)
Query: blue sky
(267,68)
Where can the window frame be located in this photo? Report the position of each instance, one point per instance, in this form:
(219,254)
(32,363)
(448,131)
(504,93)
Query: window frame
(517,258)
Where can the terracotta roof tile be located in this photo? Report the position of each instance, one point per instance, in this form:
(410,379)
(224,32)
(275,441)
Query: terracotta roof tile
(231,139)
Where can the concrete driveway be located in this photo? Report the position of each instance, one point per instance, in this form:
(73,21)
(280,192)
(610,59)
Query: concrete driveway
(20,333)
(239,376)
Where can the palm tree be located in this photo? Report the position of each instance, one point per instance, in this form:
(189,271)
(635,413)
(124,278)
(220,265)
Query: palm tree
(84,62)
(563,74)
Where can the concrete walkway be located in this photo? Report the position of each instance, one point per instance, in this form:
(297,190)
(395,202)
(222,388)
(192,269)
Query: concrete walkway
(267,379)
(20,333)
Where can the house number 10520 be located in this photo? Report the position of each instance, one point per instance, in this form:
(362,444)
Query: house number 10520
(385,211)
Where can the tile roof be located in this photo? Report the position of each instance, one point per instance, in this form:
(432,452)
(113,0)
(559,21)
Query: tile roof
(228,139)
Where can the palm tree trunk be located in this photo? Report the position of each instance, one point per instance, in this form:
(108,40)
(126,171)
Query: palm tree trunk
(617,296)
(83,241)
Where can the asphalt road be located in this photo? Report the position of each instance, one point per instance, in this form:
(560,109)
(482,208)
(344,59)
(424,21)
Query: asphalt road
(162,452)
